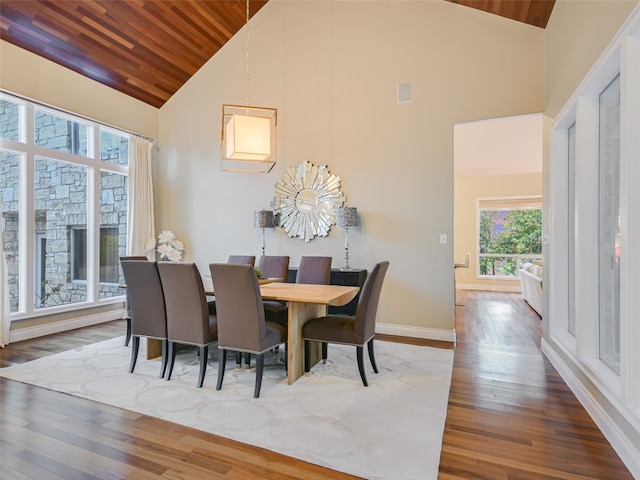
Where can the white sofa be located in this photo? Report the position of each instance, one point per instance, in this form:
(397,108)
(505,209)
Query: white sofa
(531,282)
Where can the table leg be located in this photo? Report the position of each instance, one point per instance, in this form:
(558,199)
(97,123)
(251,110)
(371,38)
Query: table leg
(154,348)
(299,313)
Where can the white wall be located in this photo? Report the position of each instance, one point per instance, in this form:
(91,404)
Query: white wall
(577,33)
(331,69)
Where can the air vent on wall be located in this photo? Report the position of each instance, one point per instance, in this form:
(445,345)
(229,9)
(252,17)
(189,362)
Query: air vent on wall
(404,92)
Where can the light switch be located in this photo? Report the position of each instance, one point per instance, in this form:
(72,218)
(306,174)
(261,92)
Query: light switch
(443,239)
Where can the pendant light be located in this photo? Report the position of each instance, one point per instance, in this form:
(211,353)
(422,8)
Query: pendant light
(248,133)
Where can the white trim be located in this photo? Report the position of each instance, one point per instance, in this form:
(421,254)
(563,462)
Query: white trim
(631,331)
(64,325)
(624,447)
(515,288)
(416,332)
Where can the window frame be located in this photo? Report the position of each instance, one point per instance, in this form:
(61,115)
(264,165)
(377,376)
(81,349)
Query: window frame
(25,146)
(504,201)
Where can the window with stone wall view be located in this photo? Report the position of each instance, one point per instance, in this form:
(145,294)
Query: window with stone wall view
(74,173)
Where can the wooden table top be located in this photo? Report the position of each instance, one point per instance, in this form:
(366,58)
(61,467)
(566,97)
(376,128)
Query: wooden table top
(275,289)
(207,283)
(336,295)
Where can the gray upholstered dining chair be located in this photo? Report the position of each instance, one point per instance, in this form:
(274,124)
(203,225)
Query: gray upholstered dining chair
(127,309)
(358,330)
(274,266)
(241,259)
(147,307)
(241,318)
(312,270)
(188,319)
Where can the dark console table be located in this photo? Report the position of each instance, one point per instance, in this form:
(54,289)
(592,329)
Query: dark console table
(350,278)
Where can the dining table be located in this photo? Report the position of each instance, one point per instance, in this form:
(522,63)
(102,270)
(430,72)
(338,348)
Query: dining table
(305,301)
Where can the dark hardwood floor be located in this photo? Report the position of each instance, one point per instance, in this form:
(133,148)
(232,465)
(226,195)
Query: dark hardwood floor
(510,416)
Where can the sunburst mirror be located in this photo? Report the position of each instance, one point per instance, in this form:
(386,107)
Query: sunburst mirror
(306,200)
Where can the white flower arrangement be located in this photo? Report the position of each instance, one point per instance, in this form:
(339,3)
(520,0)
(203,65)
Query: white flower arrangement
(168,247)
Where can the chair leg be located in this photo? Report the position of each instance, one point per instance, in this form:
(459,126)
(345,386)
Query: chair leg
(259,369)
(172,359)
(204,354)
(307,352)
(324,352)
(165,353)
(286,357)
(238,359)
(128,336)
(247,359)
(372,357)
(134,353)
(360,355)
(222,361)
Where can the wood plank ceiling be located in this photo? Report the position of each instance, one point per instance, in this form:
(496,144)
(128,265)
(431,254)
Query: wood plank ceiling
(149,48)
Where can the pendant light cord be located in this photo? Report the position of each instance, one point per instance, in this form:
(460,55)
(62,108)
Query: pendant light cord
(247,84)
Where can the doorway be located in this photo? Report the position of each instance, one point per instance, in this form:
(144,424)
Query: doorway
(495,160)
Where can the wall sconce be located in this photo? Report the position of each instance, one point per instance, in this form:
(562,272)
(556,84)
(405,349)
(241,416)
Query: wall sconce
(347,217)
(263,219)
(248,134)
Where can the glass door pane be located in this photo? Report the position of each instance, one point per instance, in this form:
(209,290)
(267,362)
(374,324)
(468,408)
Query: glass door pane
(609,225)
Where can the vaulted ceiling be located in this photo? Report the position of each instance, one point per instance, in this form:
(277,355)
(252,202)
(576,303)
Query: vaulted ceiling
(149,48)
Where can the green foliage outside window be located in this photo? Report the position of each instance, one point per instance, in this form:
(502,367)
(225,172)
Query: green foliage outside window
(510,232)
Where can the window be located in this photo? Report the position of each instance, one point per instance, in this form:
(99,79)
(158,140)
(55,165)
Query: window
(10,176)
(60,194)
(509,234)
(61,133)
(109,257)
(11,119)
(609,225)
(571,227)
(72,175)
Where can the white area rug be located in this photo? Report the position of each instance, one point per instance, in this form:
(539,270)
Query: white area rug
(390,430)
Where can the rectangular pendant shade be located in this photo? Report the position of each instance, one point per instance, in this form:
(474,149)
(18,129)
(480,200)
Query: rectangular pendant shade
(248,138)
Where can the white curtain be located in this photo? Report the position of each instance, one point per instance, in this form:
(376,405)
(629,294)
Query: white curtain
(140,217)
(5,321)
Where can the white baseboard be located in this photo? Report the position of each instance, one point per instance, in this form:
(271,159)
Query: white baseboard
(63,325)
(626,450)
(489,288)
(416,332)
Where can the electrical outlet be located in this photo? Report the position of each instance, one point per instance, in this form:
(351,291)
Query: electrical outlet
(443,239)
